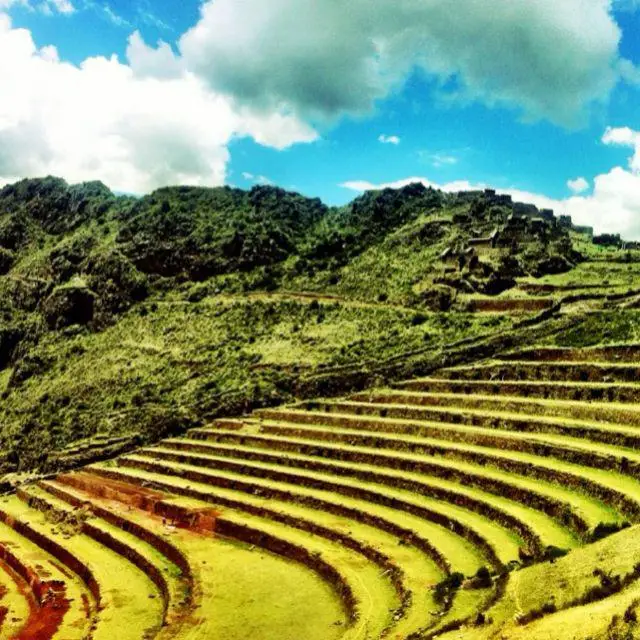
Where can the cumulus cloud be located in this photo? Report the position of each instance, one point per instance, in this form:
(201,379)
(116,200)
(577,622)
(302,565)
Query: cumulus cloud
(384,139)
(159,62)
(319,59)
(135,126)
(626,137)
(579,185)
(612,207)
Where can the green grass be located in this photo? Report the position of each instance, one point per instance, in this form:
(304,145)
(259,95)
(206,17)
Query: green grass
(127,608)
(562,582)
(373,591)
(621,414)
(399,268)
(420,573)
(504,542)
(17,597)
(458,551)
(464,557)
(602,273)
(553,371)
(602,328)
(453,429)
(176,589)
(237,586)
(252,593)
(180,360)
(593,511)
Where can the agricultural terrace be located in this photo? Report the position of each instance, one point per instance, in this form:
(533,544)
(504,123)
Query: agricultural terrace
(495,498)
(387,443)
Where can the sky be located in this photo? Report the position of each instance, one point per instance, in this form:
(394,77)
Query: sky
(537,98)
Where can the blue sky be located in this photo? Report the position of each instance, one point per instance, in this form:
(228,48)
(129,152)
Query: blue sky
(535,97)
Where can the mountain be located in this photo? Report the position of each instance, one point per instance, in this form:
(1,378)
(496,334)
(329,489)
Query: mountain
(133,318)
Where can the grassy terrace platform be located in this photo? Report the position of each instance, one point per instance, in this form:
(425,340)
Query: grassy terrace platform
(18,604)
(449,460)
(40,596)
(492,501)
(406,490)
(120,590)
(222,573)
(369,595)
(599,371)
(561,390)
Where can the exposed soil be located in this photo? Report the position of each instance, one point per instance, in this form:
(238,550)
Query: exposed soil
(146,499)
(47,599)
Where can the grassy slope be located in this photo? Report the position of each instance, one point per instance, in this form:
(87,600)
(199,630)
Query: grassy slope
(194,306)
(208,320)
(192,310)
(173,360)
(563,582)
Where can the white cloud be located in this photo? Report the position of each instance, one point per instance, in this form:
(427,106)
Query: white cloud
(629,72)
(160,62)
(319,59)
(449,187)
(48,7)
(626,137)
(250,177)
(612,207)
(384,139)
(579,185)
(105,11)
(63,6)
(144,9)
(115,18)
(443,160)
(135,126)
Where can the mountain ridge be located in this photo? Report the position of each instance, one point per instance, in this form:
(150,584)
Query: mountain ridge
(143,316)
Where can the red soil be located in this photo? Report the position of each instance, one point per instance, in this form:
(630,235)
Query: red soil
(3,616)
(155,502)
(47,599)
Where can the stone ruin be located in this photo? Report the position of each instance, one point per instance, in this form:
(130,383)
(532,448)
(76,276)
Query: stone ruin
(518,224)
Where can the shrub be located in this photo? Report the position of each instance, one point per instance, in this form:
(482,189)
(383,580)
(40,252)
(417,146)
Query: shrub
(630,615)
(552,553)
(547,608)
(483,577)
(7,259)
(418,319)
(443,591)
(605,529)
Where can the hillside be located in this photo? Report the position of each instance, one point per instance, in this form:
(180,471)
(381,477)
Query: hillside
(141,317)
(413,416)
